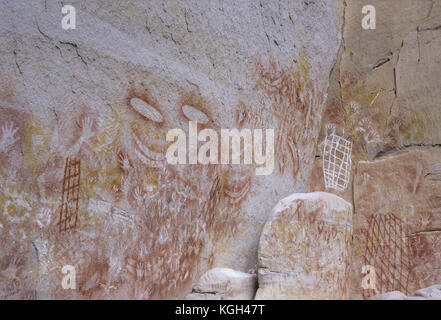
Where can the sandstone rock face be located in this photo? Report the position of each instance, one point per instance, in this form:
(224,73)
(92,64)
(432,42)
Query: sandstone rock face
(394,295)
(84,114)
(430,293)
(386,88)
(397,205)
(305,248)
(384,96)
(224,284)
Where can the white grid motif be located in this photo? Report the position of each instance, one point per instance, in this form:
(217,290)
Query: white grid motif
(336,162)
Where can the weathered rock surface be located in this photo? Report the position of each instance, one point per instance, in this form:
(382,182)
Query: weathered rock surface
(106,94)
(393,295)
(430,293)
(384,96)
(305,248)
(386,88)
(224,284)
(397,221)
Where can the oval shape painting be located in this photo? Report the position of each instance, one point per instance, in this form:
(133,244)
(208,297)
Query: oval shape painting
(146,110)
(193,114)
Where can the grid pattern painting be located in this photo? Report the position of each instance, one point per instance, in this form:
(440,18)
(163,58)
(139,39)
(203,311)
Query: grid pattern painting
(388,251)
(336,162)
(70,195)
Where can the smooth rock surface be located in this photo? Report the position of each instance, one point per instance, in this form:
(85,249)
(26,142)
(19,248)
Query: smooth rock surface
(305,248)
(394,295)
(430,293)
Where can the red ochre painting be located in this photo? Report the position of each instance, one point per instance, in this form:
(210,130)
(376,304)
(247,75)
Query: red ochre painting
(396,228)
(85,181)
(96,191)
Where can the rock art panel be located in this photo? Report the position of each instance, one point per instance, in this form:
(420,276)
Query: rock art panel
(397,221)
(106,95)
(305,248)
(387,252)
(295,103)
(386,90)
(425,250)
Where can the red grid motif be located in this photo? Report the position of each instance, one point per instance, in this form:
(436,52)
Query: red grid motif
(70,195)
(388,251)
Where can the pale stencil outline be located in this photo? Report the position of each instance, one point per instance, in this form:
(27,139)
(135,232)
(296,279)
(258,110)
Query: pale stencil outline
(336,162)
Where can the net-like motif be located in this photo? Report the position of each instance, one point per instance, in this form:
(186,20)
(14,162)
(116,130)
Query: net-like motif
(336,162)
(388,251)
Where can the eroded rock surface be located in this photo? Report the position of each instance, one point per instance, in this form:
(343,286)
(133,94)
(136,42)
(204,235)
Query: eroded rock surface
(386,89)
(305,248)
(84,115)
(430,293)
(384,97)
(224,284)
(397,221)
